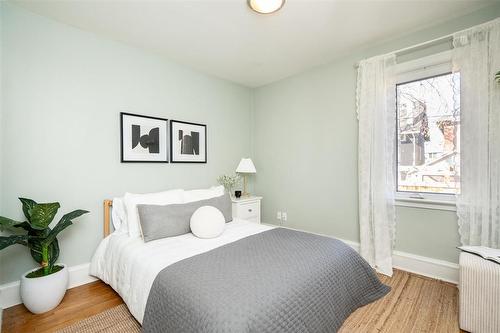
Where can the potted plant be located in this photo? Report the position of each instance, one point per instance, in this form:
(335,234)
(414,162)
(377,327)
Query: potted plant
(229,182)
(43,288)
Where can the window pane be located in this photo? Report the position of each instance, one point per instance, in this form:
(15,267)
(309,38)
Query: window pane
(429,135)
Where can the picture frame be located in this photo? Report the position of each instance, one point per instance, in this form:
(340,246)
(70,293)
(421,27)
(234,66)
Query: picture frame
(143,139)
(188,142)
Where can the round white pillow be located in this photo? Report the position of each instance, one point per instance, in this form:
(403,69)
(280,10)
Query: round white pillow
(207,222)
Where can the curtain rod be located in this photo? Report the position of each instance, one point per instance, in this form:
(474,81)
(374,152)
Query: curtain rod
(419,46)
(424,45)
(438,40)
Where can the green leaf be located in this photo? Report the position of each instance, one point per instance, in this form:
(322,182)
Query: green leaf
(28,204)
(6,241)
(8,224)
(53,252)
(25,225)
(63,223)
(36,250)
(42,214)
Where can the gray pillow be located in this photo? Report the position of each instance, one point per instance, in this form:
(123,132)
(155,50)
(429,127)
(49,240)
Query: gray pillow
(173,220)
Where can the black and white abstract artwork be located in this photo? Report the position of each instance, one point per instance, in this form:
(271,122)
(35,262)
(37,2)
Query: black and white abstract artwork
(143,138)
(188,142)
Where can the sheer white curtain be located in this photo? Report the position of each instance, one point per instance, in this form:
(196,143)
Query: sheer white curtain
(476,55)
(375,99)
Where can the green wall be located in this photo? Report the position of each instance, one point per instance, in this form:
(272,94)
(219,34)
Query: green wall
(63,91)
(305,147)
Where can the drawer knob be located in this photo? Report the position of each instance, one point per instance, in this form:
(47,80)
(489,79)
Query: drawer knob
(249,210)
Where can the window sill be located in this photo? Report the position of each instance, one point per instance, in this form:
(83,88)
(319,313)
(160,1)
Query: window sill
(426,204)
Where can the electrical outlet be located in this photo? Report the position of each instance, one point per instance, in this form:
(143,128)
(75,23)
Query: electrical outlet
(278,215)
(284,216)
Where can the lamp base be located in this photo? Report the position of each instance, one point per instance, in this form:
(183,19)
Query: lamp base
(245,193)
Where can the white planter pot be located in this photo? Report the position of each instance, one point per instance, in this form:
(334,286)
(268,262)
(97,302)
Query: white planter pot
(44,293)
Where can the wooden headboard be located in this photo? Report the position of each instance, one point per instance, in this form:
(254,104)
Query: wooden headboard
(107,214)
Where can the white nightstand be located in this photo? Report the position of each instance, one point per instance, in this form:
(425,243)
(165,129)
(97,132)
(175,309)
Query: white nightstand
(247,208)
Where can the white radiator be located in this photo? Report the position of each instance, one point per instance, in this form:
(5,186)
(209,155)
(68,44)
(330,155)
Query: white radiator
(479,293)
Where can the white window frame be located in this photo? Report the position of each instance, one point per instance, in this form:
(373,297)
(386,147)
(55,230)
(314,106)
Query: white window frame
(429,66)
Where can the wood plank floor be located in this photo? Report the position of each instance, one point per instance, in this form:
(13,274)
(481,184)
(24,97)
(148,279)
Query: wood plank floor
(415,304)
(78,303)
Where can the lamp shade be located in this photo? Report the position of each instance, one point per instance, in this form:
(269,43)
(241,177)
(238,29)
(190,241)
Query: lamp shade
(246,166)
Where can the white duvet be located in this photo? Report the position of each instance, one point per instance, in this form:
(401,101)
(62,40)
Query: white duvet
(130,266)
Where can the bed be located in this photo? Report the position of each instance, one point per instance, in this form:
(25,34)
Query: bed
(252,278)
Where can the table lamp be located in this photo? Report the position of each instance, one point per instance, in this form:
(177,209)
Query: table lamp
(246,166)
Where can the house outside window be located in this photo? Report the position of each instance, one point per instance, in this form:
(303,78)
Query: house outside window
(428,130)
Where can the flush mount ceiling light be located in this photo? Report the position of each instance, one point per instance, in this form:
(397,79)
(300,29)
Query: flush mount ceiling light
(265,6)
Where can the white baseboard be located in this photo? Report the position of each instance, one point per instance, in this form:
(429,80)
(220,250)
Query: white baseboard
(9,292)
(430,267)
(79,275)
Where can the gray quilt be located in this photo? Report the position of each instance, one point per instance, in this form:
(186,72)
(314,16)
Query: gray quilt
(276,281)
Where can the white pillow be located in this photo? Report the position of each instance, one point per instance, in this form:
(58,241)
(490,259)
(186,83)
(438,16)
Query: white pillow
(119,215)
(160,198)
(203,194)
(207,222)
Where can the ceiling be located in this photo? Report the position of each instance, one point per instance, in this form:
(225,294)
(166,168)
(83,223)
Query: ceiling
(226,39)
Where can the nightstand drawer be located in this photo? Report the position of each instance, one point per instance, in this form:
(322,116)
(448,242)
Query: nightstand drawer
(248,211)
(254,219)
(247,208)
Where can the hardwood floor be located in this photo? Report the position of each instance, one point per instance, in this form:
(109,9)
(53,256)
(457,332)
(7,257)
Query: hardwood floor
(415,304)
(78,303)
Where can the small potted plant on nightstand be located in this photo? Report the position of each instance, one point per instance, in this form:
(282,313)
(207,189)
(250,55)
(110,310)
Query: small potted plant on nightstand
(229,182)
(43,288)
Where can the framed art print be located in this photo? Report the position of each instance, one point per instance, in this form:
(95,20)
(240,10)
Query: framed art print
(188,142)
(143,138)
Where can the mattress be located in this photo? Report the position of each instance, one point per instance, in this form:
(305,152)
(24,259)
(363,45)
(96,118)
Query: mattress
(130,266)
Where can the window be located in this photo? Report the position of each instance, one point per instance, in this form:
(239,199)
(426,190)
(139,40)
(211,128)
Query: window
(428,135)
